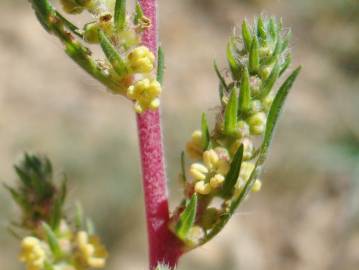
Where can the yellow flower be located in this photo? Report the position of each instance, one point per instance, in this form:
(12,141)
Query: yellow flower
(248,148)
(32,253)
(257,185)
(146,94)
(194,146)
(91,252)
(141,60)
(257,123)
(211,174)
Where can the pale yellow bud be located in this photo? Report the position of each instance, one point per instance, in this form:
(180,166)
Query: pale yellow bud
(32,253)
(210,158)
(257,185)
(145,93)
(216,181)
(267,102)
(194,146)
(141,60)
(257,123)
(223,167)
(198,171)
(248,148)
(202,188)
(246,170)
(242,129)
(195,235)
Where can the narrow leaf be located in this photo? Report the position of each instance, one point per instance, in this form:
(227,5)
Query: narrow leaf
(269,83)
(247,36)
(205,132)
(230,114)
(272,28)
(183,167)
(138,13)
(79,217)
(272,121)
(285,65)
(120,14)
(112,55)
(261,31)
(232,176)
(234,65)
(274,113)
(160,65)
(244,104)
(254,56)
(187,218)
(220,76)
(52,240)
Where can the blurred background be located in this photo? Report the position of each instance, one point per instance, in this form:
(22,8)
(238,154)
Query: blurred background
(306,217)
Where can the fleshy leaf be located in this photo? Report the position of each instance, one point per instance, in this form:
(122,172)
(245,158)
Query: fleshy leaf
(234,65)
(120,14)
(112,55)
(187,218)
(230,114)
(247,36)
(160,65)
(205,132)
(254,56)
(244,103)
(269,83)
(220,76)
(232,176)
(52,240)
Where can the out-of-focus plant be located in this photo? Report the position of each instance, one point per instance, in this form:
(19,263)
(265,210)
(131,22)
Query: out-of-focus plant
(226,160)
(49,238)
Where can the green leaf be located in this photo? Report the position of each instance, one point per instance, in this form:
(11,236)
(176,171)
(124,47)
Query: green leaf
(247,36)
(138,13)
(187,218)
(234,65)
(230,114)
(56,215)
(112,55)
(271,123)
(244,103)
(232,176)
(269,83)
(274,113)
(205,132)
(42,7)
(160,65)
(69,25)
(183,167)
(120,14)
(261,30)
(254,57)
(23,176)
(273,28)
(220,77)
(285,65)
(52,241)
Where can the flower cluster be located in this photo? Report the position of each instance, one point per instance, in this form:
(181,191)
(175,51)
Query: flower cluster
(128,67)
(32,253)
(225,162)
(50,241)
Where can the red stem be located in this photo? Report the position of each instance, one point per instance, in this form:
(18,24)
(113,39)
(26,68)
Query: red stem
(163,245)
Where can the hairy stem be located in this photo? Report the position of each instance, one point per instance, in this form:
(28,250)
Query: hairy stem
(163,245)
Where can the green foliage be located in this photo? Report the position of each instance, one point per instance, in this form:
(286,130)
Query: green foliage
(187,218)
(205,132)
(120,14)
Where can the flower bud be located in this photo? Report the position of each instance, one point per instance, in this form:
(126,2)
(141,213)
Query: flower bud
(267,102)
(246,170)
(194,146)
(257,123)
(216,181)
(210,158)
(202,188)
(73,6)
(91,32)
(195,235)
(242,129)
(198,171)
(248,148)
(141,60)
(257,185)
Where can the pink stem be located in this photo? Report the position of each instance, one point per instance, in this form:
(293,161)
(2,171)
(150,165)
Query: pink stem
(163,245)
